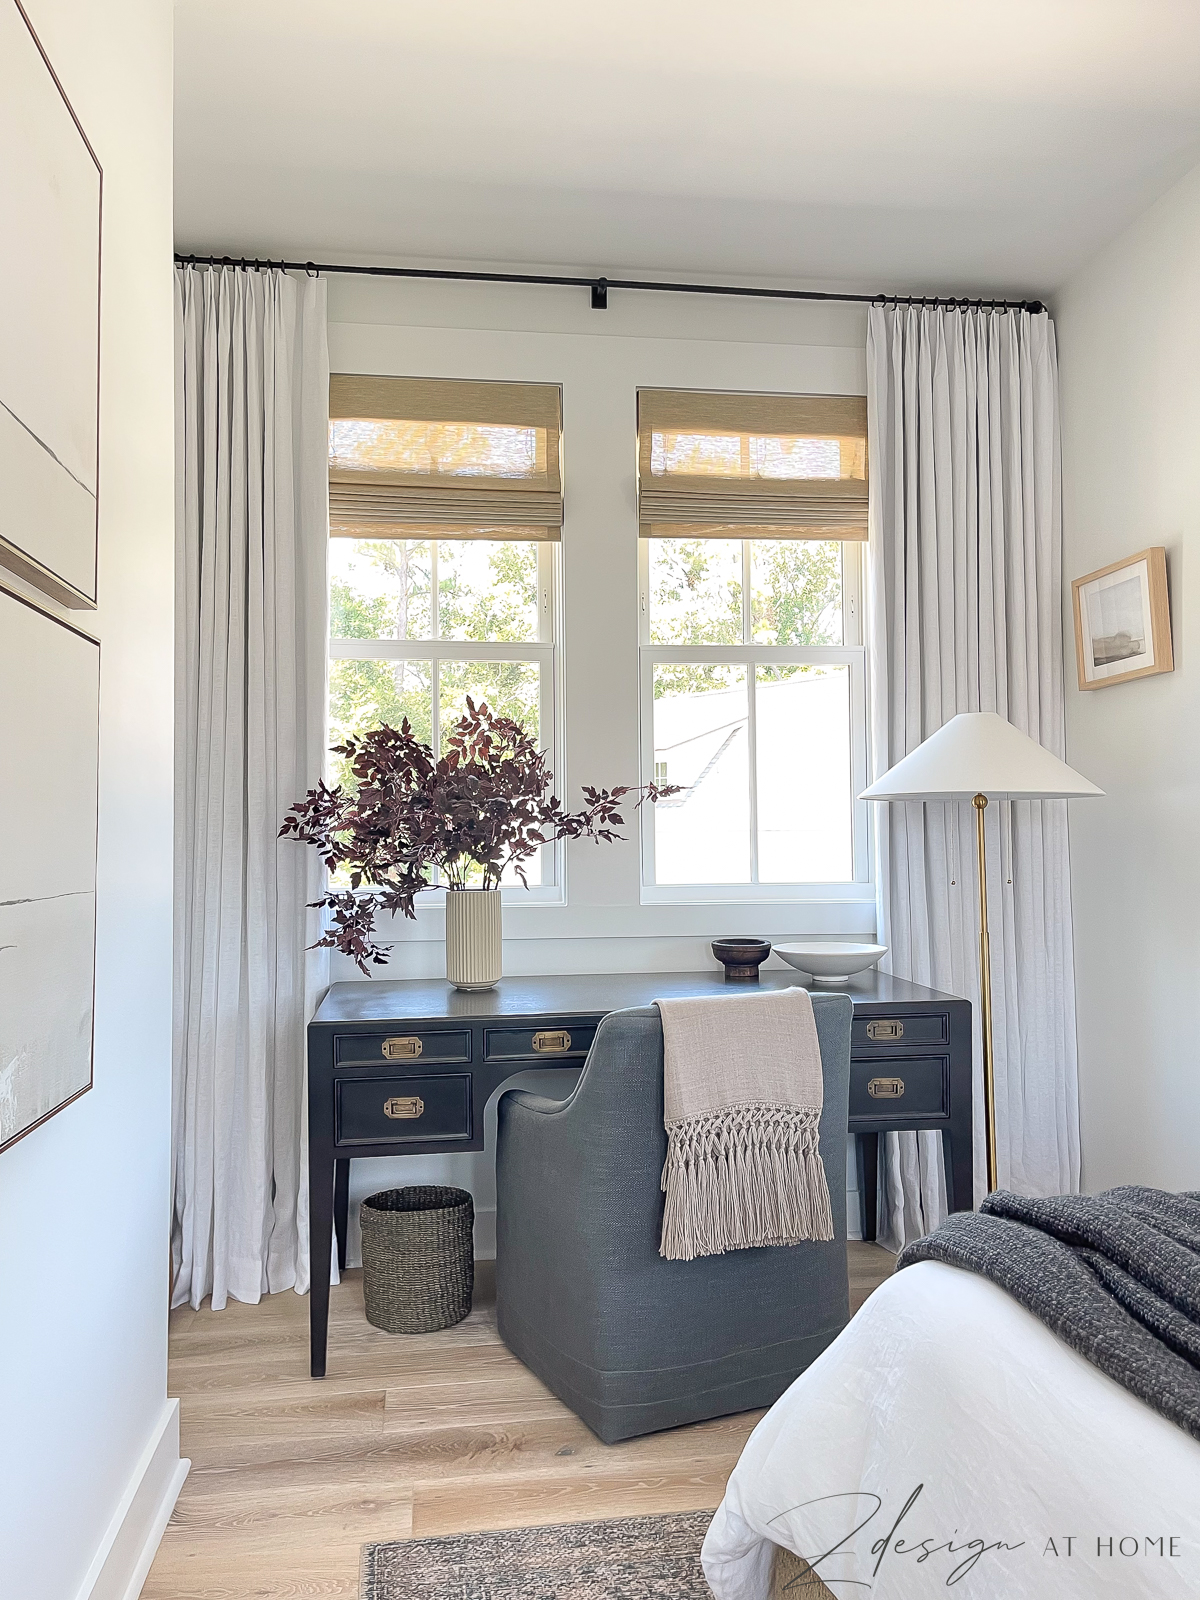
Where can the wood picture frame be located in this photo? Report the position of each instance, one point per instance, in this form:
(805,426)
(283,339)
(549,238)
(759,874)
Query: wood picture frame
(50,733)
(51,191)
(1123,621)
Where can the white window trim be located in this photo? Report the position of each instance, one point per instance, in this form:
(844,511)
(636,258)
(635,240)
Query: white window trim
(546,652)
(852,652)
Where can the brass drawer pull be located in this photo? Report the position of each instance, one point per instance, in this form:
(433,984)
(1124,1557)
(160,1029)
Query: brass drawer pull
(403,1107)
(405,1049)
(885,1088)
(892,1028)
(552,1042)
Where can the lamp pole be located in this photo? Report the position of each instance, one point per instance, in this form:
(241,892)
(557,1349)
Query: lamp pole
(985,1000)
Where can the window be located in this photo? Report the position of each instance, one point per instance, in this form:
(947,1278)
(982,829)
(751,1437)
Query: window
(445,504)
(753,513)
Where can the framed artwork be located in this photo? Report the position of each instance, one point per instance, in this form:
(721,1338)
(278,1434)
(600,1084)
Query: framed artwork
(1123,621)
(50,190)
(49,732)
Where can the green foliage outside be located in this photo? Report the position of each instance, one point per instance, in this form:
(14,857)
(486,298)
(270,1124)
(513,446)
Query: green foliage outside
(504,609)
(500,608)
(797,592)
(696,599)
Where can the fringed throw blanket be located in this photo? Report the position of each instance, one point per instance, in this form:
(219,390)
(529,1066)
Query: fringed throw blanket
(742,1106)
(1115,1275)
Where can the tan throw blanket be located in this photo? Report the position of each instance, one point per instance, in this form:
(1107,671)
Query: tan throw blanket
(742,1103)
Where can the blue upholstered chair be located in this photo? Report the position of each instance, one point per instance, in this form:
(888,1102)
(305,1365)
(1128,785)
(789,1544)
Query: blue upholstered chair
(633,1343)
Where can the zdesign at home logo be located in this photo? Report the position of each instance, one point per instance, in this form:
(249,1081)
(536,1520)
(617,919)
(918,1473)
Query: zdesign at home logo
(866,1536)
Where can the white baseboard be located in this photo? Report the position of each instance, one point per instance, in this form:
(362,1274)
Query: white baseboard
(120,1565)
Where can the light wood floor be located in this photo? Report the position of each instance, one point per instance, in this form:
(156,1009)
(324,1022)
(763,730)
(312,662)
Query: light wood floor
(407,1436)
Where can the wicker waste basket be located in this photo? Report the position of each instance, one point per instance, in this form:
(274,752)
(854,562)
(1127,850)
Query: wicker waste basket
(418,1257)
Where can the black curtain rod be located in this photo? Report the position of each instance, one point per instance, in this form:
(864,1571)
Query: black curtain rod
(600,286)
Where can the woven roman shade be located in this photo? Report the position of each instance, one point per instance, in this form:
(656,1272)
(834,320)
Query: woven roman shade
(444,458)
(741,466)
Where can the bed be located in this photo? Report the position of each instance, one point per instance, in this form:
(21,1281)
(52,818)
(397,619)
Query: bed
(948,1440)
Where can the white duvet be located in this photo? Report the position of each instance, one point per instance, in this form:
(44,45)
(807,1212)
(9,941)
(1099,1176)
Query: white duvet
(949,1443)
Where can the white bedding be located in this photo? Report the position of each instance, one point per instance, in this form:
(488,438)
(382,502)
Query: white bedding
(945,1385)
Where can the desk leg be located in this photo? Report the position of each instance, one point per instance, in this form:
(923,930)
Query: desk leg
(341,1207)
(320,1245)
(960,1175)
(866,1149)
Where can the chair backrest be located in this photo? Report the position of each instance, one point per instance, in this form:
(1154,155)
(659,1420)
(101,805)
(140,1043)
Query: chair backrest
(616,1111)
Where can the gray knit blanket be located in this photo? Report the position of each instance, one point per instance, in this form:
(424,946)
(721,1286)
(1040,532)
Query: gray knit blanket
(1115,1275)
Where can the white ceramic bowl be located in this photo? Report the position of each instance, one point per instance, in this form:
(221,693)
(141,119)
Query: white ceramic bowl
(830,960)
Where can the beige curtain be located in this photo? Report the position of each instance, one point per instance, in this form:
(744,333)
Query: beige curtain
(252,537)
(966,607)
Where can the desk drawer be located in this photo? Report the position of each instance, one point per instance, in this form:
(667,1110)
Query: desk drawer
(919,1032)
(400,1110)
(538,1044)
(402,1044)
(901,1089)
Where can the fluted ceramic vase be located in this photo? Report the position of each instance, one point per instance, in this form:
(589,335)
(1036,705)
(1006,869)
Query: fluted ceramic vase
(474,945)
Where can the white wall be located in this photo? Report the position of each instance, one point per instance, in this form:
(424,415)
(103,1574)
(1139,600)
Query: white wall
(600,359)
(85,1430)
(1129,345)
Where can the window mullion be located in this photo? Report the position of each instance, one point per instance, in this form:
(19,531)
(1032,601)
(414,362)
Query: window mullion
(644,591)
(545,593)
(435,704)
(852,593)
(435,625)
(747,606)
(752,764)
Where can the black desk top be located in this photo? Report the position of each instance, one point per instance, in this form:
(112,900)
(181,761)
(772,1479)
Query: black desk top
(580,994)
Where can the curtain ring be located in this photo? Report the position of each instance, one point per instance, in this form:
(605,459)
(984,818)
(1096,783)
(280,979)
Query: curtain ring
(310,268)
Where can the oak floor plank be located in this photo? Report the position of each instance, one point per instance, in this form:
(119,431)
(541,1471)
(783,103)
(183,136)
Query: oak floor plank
(408,1436)
(220,1567)
(466,1505)
(275,1373)
(324,1504)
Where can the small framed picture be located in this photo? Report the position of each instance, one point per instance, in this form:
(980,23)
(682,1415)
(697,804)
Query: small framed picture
(1123,621)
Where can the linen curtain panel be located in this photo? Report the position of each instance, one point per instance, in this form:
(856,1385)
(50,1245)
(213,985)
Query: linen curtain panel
(966,588)
(251,537)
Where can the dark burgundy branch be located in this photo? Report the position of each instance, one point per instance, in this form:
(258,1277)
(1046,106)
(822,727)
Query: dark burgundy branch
(483,806)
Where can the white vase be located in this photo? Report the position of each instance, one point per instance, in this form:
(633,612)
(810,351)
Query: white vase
(473,938)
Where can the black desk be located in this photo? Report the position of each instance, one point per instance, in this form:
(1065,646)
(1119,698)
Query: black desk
(406,1068)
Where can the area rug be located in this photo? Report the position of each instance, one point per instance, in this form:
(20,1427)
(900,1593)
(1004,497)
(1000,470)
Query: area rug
(623,1558)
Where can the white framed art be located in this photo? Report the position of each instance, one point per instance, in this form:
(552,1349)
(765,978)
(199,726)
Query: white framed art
(50,199)
(1123,621)
(49,732)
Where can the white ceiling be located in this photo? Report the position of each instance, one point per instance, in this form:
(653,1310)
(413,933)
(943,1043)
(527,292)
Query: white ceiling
(940,144)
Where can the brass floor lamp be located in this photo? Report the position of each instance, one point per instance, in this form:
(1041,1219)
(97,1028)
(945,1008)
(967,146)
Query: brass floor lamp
(978,756)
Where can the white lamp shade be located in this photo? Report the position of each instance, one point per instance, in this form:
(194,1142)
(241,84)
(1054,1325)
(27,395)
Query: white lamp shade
(978,752)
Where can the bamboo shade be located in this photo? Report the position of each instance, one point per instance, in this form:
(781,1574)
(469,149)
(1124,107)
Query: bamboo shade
(736,466)
(444,458)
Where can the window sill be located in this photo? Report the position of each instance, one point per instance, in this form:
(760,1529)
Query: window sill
(756,894)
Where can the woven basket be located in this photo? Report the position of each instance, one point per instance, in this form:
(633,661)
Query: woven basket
(418,1257)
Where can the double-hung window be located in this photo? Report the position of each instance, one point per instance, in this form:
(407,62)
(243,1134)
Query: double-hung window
(753,514)
(445,511)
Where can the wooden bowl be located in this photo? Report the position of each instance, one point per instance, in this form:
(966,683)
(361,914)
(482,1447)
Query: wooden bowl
(741,958)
